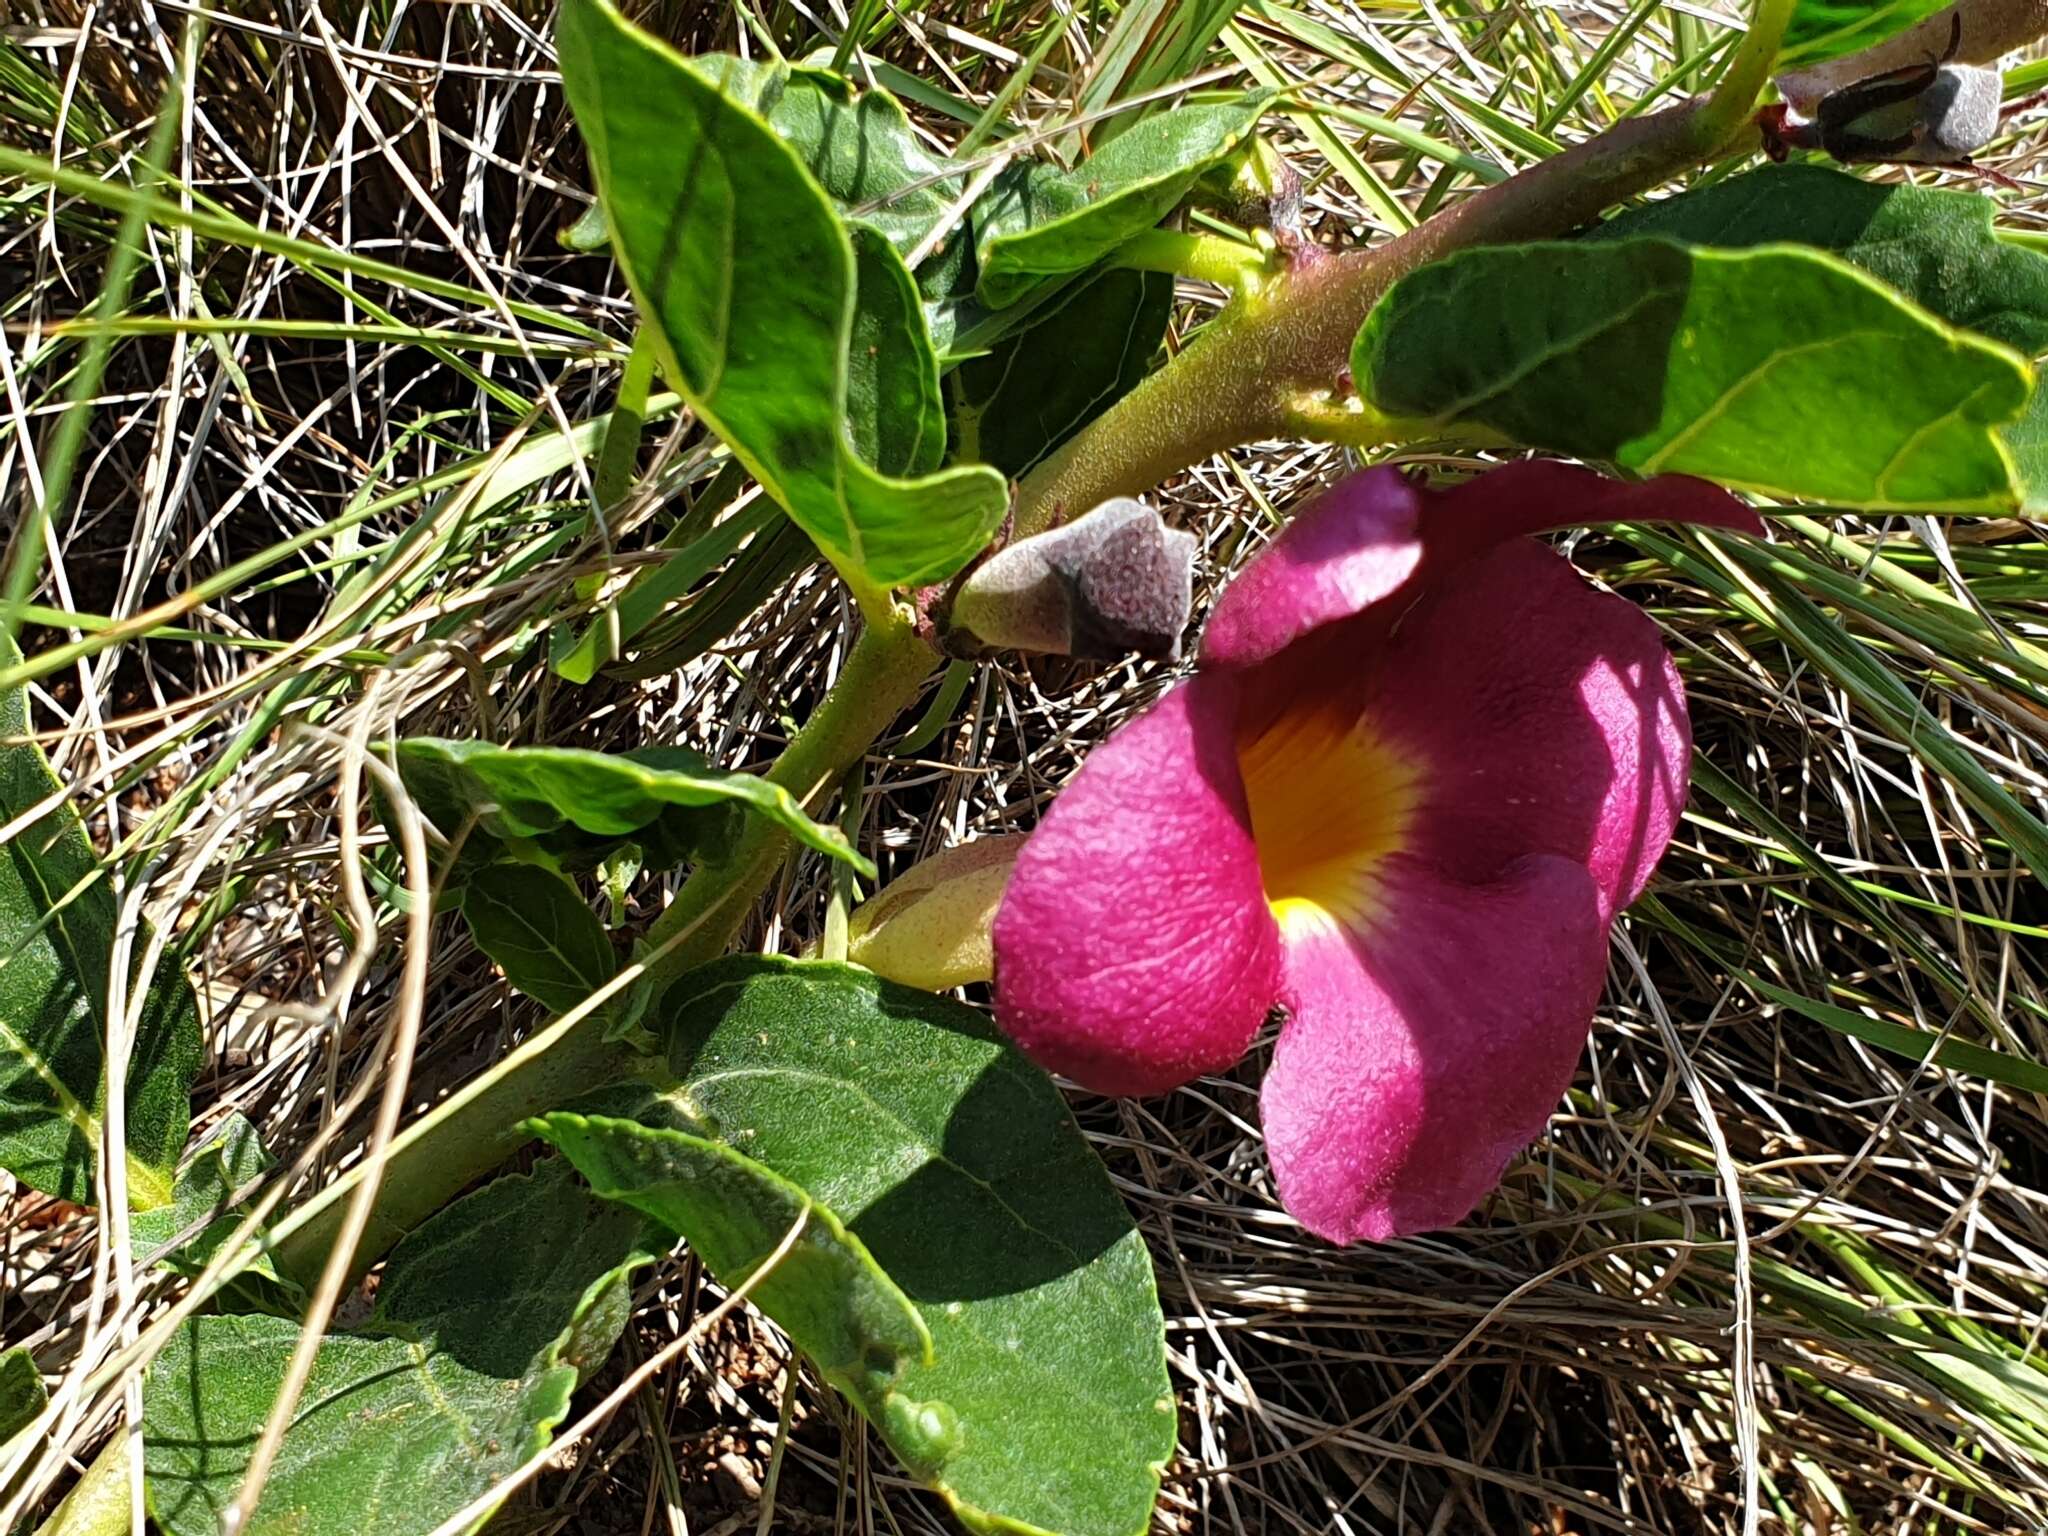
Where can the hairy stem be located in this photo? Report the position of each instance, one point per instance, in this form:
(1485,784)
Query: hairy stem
(881,677)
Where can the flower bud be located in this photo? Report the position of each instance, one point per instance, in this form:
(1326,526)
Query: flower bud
(1113,581)
(929,927)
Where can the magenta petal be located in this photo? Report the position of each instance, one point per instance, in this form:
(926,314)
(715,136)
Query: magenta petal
(1533,495)
(1375,537)
(1414,1065)
(1550,717)
(1355,545)
(1134,949)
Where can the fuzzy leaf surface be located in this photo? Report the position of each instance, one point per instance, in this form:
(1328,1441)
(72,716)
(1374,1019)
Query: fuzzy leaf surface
(229,1160)
(1037,388)
(489,1315)
(1778,369)
(541,932)
(1041,220)
(1045,1405)
(640,1148)
(537,792)
(57,921)
(1938,248)
(22,1396)
(738,259)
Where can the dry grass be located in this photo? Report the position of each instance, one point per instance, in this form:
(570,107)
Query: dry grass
(1749,1230)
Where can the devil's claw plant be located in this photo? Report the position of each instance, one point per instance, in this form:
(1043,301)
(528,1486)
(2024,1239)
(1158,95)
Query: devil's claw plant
(1417,768)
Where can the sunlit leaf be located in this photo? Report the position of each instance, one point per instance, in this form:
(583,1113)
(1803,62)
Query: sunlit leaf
(747,274)
(953,1161)
(1939,248)
(516,793)
(845,1313)
(488,1316)
(1041,220)
(1780,370)
(57,930)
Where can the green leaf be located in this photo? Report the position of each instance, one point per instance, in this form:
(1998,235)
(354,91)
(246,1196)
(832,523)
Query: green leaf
(22,1397)
(1938,248)
(203,1202)
(488,1317)
(912,1121)
(57,919)
(541,933)
(736,256)
(1827,29)
(860,148)
(1013,406)
(893,407)
(1780,370)
(1041,220)
(827,1291)
(535,792)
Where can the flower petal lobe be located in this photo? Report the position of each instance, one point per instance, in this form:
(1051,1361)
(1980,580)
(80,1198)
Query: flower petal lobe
(1414,1065)
(1134,950)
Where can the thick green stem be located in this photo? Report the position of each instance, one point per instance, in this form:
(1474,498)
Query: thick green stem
(880,679)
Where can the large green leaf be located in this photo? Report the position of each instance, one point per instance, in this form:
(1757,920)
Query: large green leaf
(638,1147)
(1939,248)
(1041,220)
(1045,1405)
(488,1316)
(1827,29)
(747,275)
(860,148)
(524,793)
(57,919)
(893,407)
(1780,370)
(1034,390)
(543,934)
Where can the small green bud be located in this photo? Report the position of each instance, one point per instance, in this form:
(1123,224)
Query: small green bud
(929,927)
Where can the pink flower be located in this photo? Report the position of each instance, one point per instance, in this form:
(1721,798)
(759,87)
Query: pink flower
(1419,769)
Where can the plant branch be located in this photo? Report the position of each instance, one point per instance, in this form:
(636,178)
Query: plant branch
(1247,373)
(878,682)
(1266,366)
